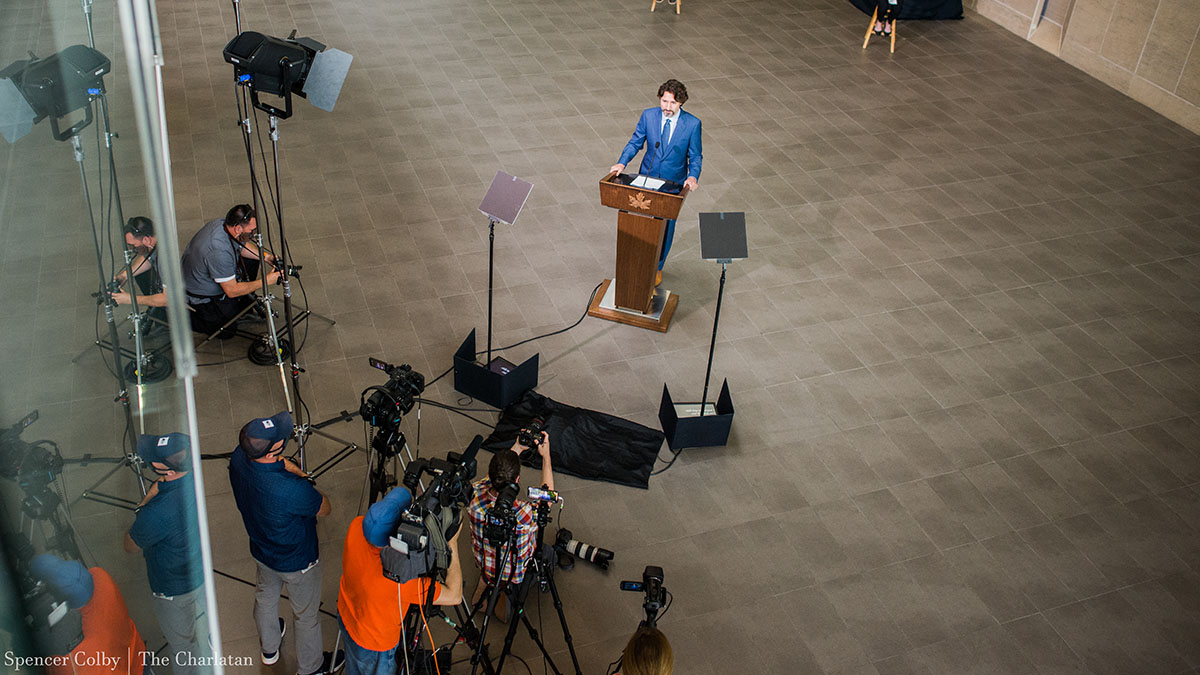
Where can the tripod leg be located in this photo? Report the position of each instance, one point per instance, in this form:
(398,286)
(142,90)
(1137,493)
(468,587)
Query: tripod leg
(562,619)
(537,639)
(531,577)
(489,601)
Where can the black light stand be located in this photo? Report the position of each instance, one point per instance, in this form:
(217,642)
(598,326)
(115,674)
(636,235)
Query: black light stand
(131,459)
(281,68)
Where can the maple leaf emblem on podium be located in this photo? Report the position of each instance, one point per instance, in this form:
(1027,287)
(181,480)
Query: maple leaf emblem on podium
(639,201)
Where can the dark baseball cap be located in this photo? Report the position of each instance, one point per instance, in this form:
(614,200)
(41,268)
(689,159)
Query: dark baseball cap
(174,450)
(260,434)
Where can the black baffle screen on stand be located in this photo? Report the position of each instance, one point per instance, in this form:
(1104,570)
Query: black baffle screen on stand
(695,425)
(723,236)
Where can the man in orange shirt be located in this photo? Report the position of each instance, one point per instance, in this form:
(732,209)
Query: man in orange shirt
(111,643)
(370,616)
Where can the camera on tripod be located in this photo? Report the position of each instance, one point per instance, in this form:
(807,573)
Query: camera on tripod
(652,585)
(389,402)
(31,465)
(501,522)
(419,545)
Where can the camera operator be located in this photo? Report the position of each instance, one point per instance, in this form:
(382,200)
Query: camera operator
(167,532)
(647,653)
(504,468)
(280,507)
(369,614)
(220,268)
(140,238)
(111,642)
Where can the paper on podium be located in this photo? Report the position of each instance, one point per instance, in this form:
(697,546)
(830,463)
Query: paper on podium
(647,182)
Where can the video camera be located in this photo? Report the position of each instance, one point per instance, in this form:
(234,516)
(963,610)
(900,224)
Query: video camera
(419,545)
(389,402)
(30,464)
(652,585)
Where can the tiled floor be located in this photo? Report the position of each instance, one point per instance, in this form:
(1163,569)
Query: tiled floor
(963,350)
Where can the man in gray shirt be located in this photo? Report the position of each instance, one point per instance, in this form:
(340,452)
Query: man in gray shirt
(220,270)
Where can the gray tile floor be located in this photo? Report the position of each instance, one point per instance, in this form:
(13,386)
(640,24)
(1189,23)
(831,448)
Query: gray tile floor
(963,350)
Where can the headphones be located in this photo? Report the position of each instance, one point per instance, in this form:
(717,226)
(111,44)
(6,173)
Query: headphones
(239,215)
(140,227)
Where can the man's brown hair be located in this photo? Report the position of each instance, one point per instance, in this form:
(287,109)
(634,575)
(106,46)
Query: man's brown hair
(647,653)
(505,467)
(676,88)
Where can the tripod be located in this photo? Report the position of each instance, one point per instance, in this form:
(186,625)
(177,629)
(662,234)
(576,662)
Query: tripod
(540,568)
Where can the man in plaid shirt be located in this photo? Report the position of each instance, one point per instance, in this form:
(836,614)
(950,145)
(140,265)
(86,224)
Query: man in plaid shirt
(505,467)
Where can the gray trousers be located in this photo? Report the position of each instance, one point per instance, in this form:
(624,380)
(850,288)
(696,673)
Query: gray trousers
(304,590)
(185,627)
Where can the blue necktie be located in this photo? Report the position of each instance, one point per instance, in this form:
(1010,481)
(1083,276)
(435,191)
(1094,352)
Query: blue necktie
(666,135)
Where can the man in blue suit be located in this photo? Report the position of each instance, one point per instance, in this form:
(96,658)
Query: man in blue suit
(672,141)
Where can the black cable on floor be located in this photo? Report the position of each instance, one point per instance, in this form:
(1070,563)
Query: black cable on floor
(459,411)
(674,457)
(538,337)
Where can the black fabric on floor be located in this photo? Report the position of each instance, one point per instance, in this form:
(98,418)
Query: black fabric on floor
(583,443)
(919,9)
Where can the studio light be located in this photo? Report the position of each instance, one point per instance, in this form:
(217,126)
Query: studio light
(56,86)
(282,67)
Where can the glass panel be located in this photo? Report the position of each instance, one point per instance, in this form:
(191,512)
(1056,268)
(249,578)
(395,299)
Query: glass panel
(102,422)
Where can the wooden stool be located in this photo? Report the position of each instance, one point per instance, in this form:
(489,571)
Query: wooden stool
(871,29)
(677,3)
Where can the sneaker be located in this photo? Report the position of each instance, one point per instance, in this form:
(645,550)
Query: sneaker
(271,658)
(331,663)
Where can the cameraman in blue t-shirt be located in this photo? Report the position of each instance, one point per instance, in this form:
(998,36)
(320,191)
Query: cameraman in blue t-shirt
(280,507)
(167,532)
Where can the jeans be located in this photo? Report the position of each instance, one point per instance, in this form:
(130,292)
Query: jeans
(363,661)
(304,589)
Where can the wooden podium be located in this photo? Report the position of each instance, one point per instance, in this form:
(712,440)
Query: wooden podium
(642,216)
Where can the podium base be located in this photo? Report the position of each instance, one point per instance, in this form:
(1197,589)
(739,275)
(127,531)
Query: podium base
(662,309)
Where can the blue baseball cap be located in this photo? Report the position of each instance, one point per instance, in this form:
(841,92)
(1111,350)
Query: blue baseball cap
(380,522)
(174,450)
(260,434)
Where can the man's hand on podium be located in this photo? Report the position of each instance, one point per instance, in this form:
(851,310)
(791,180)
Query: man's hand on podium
(691,184)
(617,168)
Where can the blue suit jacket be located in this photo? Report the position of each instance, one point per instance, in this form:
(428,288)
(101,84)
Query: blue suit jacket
(679,159)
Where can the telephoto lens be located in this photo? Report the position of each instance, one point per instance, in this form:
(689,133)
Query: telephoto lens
(599,557)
